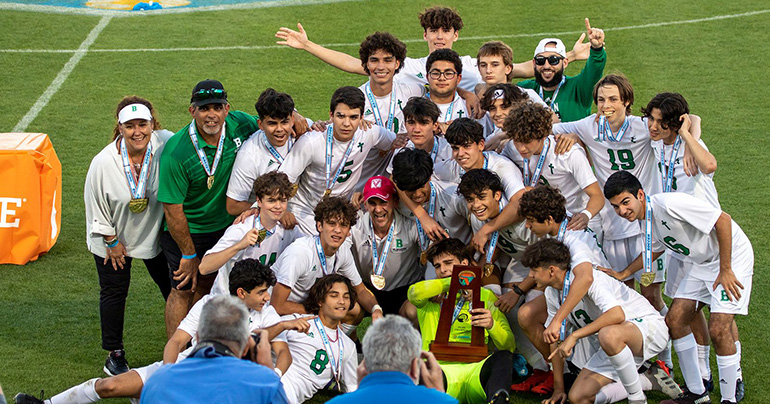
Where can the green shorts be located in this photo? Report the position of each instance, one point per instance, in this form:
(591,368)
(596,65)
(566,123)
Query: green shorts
(463,381)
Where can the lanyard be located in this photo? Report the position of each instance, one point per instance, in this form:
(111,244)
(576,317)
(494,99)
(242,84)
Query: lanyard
(605,132)
(376,108)
(486,164)
(539,167)
(322,256)
(138,187)
(422,237)
(336,367)
(564,291)
(434,152)
(493,238)
(647,237)
(378,265)
(667,172)
(555,93)
(562,230)
(202,155)
(262,233)
(448,114)
(273,152)
(329,143)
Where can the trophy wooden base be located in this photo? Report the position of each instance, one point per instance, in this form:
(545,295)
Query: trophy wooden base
(458,352)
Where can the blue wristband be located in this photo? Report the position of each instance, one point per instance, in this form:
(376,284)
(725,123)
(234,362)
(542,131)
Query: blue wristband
(189,257)
(113,243)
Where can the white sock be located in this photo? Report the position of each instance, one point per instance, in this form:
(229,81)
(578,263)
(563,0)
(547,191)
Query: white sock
(625,366)
(645,381)
(740,357)
(611,393)
(688,363)
(348,329)
(665,354)
(728,374)
(703,361)
(83,393)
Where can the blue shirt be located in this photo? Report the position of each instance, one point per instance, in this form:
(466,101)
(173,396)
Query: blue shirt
(214,380)
(392,387)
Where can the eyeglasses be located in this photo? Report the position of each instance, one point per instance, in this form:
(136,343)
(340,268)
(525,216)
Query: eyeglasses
(436,74)
(209,93)
(553,60)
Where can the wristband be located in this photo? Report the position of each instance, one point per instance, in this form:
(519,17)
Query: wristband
(376,307)
(587,213)
(278,371)
(518,290)
(189,257)
(113,243)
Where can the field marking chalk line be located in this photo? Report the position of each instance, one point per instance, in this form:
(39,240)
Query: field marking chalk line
(62,76)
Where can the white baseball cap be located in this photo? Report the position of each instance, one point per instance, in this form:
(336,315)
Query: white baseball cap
(558,48)
(134,111)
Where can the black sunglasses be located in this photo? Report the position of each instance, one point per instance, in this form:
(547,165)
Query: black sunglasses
(210,93)
(553,60)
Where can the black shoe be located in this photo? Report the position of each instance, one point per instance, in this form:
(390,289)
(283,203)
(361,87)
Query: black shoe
(116,363)
(690,398)
(740,390)
(500,397)
(709,384)
(22,398)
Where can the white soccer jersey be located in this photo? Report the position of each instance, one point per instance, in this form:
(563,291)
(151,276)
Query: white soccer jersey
(299,267)
(685,224)
(306,164)
(584,247)
(509,174)
(451,211)
(452,110)
(700,186)
(402,264)
(402,92)
(266,252)
(441,152)
(414,72)
(512,240)
(311,366)
(253,159)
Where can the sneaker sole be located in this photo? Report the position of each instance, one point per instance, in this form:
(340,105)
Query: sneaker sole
(667,385)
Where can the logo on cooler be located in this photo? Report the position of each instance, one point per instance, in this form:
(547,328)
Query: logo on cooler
(7,211)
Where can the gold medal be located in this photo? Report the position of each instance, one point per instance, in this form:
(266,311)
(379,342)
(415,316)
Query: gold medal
(424,258)
(137,205)
(327,192)
(210,181)
(378,281)
(488,268)
(648,278)
(261,235)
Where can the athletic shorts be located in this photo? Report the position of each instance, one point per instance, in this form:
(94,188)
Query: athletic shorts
(202,242)
(692,288)
(622,252)
(676,269)
(464,381)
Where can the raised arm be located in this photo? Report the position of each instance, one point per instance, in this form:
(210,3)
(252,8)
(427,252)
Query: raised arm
(299,40)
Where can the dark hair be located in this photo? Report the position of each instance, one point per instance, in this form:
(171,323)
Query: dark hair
(383,41)
(625,89)
(335,207)
(134,99)
(671,106)
(464,131)
(498,48)
(350,96)
(274,105)
(422,110)
(450,246)
(317,294)
(543,202)
(248,274)
(447,55)
(478,180)
(619,182)
(440,17)
(412,169)
(546,252)
(527,122)
(512,94)
(274,182)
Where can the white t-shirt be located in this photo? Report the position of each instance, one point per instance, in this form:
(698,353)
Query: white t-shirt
(253,160)
(402,265)
(443,152)
(311,366)
(299,267)
(266,252)
(452,110)
(451,212)
(414,72)
(509,174)
(583,247)
(700,186)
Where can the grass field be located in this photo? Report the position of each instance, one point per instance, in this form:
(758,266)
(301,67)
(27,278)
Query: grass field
(714,52)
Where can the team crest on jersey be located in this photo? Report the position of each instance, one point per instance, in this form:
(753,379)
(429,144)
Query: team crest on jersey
(271,162)
(310,334)
(420,75)
(237,142)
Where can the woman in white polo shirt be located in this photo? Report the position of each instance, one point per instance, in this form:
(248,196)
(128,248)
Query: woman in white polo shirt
(124,218)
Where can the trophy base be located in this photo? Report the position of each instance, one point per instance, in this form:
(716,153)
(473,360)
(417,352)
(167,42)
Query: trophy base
(458,352)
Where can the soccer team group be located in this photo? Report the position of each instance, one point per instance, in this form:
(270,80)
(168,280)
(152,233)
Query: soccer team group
(436,162)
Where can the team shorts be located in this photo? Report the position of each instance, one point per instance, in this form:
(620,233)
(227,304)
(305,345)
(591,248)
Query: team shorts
(676,269)
(464,381)
(622,252)
(692,288)
(202,242)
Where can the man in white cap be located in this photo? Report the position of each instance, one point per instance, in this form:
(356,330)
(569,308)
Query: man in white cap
(569,97)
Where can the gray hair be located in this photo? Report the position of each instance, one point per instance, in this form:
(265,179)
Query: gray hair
(225,319)
(391,344)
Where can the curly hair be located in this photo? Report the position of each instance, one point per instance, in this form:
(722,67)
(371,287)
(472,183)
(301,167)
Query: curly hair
(527,122)
(449,246)
(334,207)
(440,17)
(385,42)
(542,203)
(478,180)
(671,106)
(274,182)
(512,94)
(248,274)
(625,89)
(546,252)
(273,104)
(134,99)
(317,294)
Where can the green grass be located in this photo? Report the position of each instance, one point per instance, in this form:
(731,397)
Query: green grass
(49,308)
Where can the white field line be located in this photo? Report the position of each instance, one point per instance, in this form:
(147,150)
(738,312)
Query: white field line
(351,44)
(62,76)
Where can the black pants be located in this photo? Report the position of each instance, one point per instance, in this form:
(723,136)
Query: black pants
(114,290)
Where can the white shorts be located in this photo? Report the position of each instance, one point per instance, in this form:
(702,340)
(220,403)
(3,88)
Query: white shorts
(620,253)
(655,336)
(584,349)
(676,269)
(146,371)
(692,288)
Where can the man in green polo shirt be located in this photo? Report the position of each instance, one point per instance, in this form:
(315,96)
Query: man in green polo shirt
(194,171)
(569,97)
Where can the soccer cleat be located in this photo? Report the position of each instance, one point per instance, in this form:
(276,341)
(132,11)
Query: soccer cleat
(689,398)
(661,380)
(537,377)
(546,387)
(709,384)
(116,363)
(740,390)
(22,398)
(520,365)
(500,397)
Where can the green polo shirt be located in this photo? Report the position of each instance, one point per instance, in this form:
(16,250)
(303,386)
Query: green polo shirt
(575,97)
(183,178)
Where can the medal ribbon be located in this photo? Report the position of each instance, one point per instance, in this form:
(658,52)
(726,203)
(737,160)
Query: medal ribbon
(486,164)
(562,229)
(137,189)
(329,143)
(564,291)
(378,265)
(262,231)
(667,172)
(539,167)
(422,238)
(647,254)
(434,152)
(448,114)
(321,255)
(273,152)
(202,155)
(336,367)
(493,238)
(376,109)
(605,132)
(555,93)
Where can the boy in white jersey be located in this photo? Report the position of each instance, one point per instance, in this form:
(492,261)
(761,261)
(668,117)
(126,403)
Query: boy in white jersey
(385,246)
(629,330)
(422,128)
(323,357)
(721,274)
(261,236)
(312,257)
(264,151)
(336,171)
(250,283)
(445,70)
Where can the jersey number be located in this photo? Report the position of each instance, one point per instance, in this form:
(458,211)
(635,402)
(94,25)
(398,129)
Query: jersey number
(673,179)
(318,365)
(345,174)
(676,247)
(506,246)
(624,157)
(269,262)
(581,315)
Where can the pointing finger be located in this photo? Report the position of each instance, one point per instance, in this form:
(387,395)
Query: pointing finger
(588,27)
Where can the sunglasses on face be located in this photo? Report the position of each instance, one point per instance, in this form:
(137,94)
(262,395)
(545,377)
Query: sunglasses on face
(210,93)
(553,60)
(436,74)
